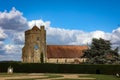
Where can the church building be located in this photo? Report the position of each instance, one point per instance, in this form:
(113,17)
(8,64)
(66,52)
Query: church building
(36,50)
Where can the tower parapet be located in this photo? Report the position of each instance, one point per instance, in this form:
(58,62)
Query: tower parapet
(35,44)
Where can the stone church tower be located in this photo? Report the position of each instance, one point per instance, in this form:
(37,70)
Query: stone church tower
(34,50)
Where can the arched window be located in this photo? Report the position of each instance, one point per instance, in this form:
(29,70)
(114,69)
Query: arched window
(36,46)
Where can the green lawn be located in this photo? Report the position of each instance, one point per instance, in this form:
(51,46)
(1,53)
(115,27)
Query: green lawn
(52,75)
(47,76)
(98,77)
(9,75)
(60,77)
(104,77)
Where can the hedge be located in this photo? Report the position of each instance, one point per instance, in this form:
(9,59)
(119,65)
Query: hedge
(59,68)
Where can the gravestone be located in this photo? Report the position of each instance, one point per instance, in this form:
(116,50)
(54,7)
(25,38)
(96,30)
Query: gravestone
(117,75)
(10,70)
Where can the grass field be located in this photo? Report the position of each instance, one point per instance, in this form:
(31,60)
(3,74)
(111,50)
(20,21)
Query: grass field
(48,76)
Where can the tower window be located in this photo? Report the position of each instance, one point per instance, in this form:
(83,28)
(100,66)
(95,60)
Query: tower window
(36,47)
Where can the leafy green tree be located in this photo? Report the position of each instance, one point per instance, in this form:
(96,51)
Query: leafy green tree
(100,52)
(116,51)
(98,47)
(41,57)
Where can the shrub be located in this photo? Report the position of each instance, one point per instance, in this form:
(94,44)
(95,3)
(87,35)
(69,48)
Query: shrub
(59,68)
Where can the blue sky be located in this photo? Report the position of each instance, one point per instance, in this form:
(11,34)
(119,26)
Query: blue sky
(67,22)
(87,15)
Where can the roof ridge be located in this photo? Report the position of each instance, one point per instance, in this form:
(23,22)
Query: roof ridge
(66,45)
(35,28)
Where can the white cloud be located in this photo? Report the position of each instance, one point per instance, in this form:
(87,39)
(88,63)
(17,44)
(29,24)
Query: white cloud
(2,34)
(9,48)
(116,36)
(12,27)
(10,52)
(19,38)
(38,23)
(9,57)
(13,20)
(73,37)
(12,49)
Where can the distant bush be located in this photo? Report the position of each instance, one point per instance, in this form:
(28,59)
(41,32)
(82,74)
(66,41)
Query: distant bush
(59,68)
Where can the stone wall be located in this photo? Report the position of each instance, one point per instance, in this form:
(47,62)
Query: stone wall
(35,44)
(66,60)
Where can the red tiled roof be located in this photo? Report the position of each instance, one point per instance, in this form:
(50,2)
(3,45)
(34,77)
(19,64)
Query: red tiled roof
(68,51)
